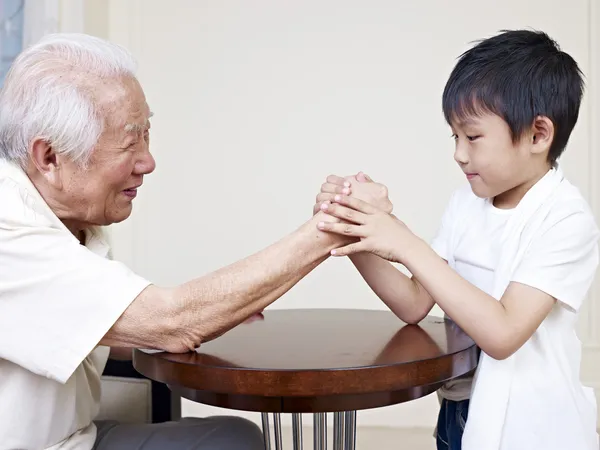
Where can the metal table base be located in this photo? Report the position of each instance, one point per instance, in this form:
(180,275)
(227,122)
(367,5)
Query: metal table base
(344,431)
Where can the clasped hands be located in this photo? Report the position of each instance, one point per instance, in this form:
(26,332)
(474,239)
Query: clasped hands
(363,211)
(359,208)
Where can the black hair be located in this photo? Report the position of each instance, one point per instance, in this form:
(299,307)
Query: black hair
(517,75)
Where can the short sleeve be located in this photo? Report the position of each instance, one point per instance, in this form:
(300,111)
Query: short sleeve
(562,260)
(57,298)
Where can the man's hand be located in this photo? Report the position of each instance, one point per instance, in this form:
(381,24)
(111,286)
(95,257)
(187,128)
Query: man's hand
(359,186)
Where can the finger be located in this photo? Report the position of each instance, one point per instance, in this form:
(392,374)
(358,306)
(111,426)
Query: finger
(324,197)
(344,213)
(334,179)
(317,206)
(363,177)
(355,204)
(350,249)
(332,188)
(344,229)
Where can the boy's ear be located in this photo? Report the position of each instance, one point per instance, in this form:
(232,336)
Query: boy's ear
(543,134)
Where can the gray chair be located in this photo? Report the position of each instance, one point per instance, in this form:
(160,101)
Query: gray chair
(129,397)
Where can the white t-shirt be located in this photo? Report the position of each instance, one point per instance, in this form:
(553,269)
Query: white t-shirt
(547,402)
(476,257)
(58,299)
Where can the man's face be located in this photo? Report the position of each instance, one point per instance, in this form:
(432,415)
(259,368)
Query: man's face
(101,193)
(486,153)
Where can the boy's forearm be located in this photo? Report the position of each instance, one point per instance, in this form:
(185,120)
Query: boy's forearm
(480,315)
(402,294)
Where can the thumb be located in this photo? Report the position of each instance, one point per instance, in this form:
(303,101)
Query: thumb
(363,177)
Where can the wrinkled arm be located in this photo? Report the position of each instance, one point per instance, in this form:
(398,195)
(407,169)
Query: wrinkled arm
(181,318)
(120,353)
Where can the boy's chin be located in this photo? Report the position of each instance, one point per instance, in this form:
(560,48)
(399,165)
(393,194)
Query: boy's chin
(482,191)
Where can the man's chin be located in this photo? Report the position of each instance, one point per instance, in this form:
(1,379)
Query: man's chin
(119,216)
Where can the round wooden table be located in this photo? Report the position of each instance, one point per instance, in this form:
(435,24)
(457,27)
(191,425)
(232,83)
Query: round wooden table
(316,361)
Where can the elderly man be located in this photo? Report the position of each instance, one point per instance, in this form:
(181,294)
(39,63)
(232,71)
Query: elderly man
(74,149)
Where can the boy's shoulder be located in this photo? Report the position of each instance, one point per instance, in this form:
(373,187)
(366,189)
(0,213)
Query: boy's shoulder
(571,206)
(568,204)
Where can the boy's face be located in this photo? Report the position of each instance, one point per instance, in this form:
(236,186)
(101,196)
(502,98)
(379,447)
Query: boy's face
(491,161)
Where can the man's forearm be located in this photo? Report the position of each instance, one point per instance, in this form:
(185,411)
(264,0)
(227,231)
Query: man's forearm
(180,319)
(121,353)
(402,294)
(211,305)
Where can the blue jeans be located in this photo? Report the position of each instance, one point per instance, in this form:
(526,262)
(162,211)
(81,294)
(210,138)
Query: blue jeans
(451,424)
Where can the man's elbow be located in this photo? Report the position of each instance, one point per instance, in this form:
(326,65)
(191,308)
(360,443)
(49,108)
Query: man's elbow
(174,328)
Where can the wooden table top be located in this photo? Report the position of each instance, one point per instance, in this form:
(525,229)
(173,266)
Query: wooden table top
(317,360)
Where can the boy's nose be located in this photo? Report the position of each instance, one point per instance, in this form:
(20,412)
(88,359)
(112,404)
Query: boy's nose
(461,156)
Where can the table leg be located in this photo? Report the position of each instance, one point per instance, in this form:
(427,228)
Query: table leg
(350,430)
(344,431)
(320,431)
(297,430)
(338,431)
(266,430)
(278,437)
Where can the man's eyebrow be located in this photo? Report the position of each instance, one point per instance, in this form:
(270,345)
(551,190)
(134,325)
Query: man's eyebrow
(136,126)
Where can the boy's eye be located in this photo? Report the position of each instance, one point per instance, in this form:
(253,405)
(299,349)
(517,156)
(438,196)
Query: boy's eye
(473,138)
(454,136)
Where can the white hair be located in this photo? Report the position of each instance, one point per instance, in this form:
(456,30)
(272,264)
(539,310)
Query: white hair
(46,95)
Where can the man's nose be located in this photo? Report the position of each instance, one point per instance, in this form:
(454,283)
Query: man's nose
(146,164)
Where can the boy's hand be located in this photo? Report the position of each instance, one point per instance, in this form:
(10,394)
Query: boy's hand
(379,232)
(359,186)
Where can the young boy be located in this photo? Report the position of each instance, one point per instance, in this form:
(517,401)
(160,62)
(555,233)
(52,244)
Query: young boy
(514,257)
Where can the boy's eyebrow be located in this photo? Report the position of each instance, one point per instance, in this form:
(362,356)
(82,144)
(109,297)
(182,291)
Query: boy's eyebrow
(467,121)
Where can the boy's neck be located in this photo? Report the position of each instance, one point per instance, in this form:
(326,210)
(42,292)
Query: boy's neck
(511,198)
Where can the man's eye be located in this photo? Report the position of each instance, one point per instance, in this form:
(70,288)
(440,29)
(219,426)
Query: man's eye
(473,138)
(454,136)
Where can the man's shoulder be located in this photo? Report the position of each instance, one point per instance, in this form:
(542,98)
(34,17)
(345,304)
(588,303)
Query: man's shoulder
(22,205)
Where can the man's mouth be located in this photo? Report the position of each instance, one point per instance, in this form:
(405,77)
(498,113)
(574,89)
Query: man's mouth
(131,192)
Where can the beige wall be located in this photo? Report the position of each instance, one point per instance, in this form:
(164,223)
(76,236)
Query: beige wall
(256,102)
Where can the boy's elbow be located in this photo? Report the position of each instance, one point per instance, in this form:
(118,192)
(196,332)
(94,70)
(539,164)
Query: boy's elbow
(501,348)
(414,315)
(498,354)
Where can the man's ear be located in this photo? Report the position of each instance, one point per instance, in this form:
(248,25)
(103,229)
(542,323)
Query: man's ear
(543,135)
(45,161)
